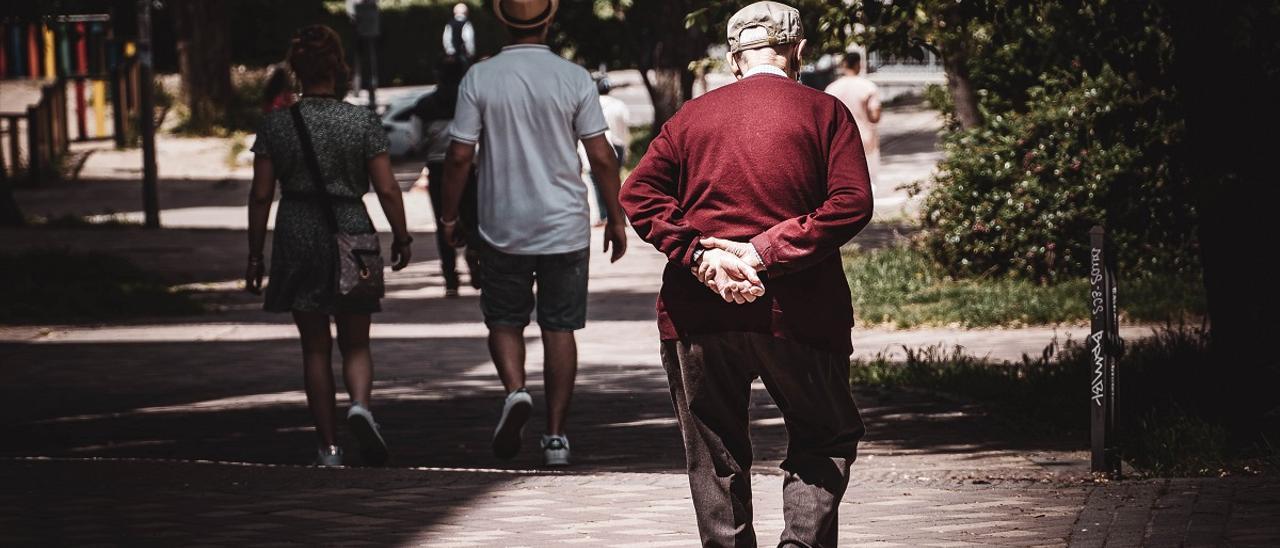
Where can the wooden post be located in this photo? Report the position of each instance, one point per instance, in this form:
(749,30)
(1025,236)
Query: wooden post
(33,52)
(14,149)
(33,144)
(146,117)
(81,69)
(118,108)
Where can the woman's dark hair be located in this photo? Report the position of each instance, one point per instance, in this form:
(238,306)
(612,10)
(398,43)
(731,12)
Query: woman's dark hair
(853,60)
(315,55)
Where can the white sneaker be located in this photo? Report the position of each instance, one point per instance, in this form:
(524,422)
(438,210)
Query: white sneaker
(372,447)
(510,431)
(555,450)
(329,456)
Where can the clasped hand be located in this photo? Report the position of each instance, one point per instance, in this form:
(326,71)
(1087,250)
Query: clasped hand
(728,268)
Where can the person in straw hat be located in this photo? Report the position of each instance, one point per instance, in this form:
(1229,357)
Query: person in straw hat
(528,107)
(750,190)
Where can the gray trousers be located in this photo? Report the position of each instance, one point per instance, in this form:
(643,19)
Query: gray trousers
(710,378)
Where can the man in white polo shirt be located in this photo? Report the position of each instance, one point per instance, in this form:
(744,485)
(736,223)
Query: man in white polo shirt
(527,107)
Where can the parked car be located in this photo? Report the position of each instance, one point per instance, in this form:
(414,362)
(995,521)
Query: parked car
(404,130)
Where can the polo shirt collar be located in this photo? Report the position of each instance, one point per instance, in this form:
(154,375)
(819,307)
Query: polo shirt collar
(526,47)
(764,69)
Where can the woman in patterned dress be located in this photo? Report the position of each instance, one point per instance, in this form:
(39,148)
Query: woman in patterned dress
(351,148)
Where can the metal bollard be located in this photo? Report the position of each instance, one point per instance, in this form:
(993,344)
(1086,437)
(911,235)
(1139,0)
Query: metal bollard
(1104,347)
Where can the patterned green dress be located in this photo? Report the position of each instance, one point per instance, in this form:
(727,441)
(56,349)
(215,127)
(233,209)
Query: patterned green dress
(303,254)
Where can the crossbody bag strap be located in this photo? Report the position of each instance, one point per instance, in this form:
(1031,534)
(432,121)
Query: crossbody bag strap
(313,166)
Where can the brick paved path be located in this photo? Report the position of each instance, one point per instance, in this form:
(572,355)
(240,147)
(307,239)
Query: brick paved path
(194,431)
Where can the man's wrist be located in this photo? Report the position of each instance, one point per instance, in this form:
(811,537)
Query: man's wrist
(448,222)
(755,260)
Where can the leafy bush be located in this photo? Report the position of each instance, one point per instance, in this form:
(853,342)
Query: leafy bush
(42,286)
(1018,195)
(243,113)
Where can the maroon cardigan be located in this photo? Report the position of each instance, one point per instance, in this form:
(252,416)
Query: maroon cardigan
(769,160)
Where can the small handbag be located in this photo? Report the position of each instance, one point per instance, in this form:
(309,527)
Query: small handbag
(359,262)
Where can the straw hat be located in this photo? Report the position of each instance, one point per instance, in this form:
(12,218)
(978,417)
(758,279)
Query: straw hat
(525,14)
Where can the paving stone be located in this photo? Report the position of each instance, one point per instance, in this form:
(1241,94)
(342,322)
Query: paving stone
(207,440)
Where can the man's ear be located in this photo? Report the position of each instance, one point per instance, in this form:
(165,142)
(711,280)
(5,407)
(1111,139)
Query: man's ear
(733,64)
(801,49)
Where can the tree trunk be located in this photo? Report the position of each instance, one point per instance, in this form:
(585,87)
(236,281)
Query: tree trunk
(963,96)
(665,93)
(670,50)
(1237,183)
(204,59)
(10,213)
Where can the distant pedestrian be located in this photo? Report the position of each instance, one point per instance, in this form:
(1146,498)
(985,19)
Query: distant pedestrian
(752,187)
(862,96)
(527,107)
(619,135)
(348,147)
(436,112)
(459,37)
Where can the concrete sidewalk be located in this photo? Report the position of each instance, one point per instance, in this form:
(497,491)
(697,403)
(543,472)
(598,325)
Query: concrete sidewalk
(129,502)
(194,431)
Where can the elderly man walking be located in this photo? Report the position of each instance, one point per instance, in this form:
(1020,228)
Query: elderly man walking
(751,190)
(529,107)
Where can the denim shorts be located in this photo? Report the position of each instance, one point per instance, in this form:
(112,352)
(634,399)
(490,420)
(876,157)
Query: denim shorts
(507,293)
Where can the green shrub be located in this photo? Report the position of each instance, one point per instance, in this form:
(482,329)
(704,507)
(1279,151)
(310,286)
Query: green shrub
(46,286)
(243,112)
(1170,442)
(1017,195)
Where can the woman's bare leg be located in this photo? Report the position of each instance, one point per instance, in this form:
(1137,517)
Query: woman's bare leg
(317,350)
(357,359)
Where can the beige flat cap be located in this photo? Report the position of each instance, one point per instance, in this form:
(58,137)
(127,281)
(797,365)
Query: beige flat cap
(764,24)
(525,14)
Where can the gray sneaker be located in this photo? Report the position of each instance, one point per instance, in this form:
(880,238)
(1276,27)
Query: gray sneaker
(372,447)
(555,450)
(329,456)
(515,413)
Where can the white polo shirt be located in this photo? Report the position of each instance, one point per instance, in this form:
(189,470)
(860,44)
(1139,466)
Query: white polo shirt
(527,108)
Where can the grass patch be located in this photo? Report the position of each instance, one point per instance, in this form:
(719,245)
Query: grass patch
(58,286)
(899,286)
(1168,424)
(1037,394)
(640,138)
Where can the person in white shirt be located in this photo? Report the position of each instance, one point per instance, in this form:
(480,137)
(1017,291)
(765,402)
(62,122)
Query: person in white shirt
(527,108)
(862,97)
(619,135)
(459,36)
